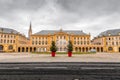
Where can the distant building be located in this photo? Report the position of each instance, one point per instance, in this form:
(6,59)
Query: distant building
(110,40)
(10,40)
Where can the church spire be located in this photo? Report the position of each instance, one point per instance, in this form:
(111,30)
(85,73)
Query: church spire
(30,26)
(30,30)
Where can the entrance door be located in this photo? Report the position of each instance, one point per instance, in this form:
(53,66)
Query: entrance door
(61,45)
(119,49)
(1,48)
(110,49)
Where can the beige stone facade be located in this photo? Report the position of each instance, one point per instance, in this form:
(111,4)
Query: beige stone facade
(10,40)
(110,40)
(13,41)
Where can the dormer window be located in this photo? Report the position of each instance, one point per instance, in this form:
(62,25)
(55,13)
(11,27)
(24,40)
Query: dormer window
(1,30)
(109,34)
(119,33)
(61,30)
(11,31)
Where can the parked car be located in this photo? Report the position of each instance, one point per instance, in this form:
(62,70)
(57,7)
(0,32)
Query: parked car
(92,50)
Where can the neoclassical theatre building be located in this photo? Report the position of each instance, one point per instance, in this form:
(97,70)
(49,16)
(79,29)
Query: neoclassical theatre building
(13,41)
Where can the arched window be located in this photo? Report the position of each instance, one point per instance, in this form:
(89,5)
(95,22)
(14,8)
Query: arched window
(34,49)
(98,49)
(83,49)
(86,49)
(80,49)
(76,49)
(27,49)
(101,49)
(18,49)
(23,49)
(30,49)
(119,49)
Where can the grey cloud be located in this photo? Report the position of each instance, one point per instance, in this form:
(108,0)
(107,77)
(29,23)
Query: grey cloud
(8,7)
(90,8)
(89,15)
(21,4)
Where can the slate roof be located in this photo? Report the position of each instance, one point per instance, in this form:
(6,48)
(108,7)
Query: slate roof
(112,32)
(7,30)
(46,32)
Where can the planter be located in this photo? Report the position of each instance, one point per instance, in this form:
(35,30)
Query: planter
(53,54)
(69,54)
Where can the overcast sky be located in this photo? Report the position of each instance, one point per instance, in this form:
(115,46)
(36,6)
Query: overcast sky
(92,16)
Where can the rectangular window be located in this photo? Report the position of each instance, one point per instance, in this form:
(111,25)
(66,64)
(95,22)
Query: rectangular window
(88,42)
(4,36)
(32,42)
(75,42)
(33,38)
(106,43)
(7,41)
(1,36)
(39,42)
(78,43)
(81,42)
(64,37)
(60,37)
(117,43)
(4,41)
(46,42)
(10,41)
(1,41)
(42,42)
(84,42)
(36,42)
(52,38)
(112,43)
(13,41)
